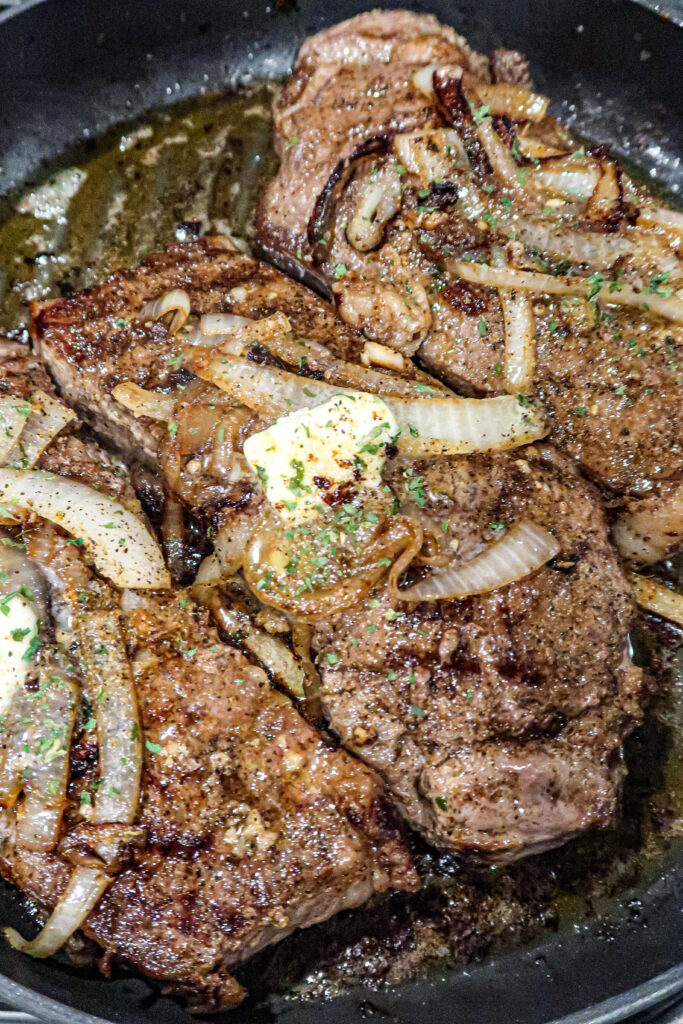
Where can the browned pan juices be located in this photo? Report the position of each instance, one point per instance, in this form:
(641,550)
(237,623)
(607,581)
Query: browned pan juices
(198,167)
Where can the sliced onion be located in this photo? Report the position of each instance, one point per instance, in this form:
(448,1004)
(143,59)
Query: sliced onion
(222,323)
(431,154)
(52,714)
(275,657)
(651,528)
(606,199)
(566,177)
(19,624)
(141,402)
(501,159)
(176,301)
(523,549)
(598,250)
(12,423)
(423,79)
(83,891)
(657,598)
(111,689)
(435,426)
(546,284)
(103,846)
(461,426)
(513,101)
(378,201)
(520,346)
(380,355)
(46,419)
(316,357)
(661,216)
(173,538)
(117,540)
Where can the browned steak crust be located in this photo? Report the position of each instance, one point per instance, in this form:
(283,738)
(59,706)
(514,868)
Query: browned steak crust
(611,383)
(496,721)
(351,81)
(253,826)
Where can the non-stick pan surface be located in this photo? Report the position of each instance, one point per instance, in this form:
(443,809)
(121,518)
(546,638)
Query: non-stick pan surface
(69,70)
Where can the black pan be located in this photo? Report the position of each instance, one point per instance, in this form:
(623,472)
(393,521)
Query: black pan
(71,69)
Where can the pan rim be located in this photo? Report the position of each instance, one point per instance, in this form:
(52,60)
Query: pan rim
(657,991)
(660,990)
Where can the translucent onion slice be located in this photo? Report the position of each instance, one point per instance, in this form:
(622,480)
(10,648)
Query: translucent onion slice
(599,250)
(657,598)
(141,402)
(12,423)
(222,323)
(176,301)
(423,78)
(435,426)
(520,346)
(661,216)
(117,540)
(523,549)
(46,419)
(83,891)
(513,101)
(501,159)
(566,177)
(546,284)
(275,657)
(651,528)
(46,742)
(316,357)
(112,693)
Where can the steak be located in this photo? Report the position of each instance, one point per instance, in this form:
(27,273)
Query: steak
(496,721)
(251,825)
(609,375)
(349,83)
(92,341)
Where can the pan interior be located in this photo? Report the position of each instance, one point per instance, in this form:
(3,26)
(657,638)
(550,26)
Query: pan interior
(141,161)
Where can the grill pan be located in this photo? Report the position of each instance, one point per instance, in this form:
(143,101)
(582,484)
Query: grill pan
(72,69)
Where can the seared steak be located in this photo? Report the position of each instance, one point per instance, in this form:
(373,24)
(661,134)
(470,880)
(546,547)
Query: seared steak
(394,229)
(252,826)
(93,340)
(496,721)
(350,82)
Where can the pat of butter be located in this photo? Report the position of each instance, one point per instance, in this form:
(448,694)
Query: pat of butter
(301,457)
(17,630)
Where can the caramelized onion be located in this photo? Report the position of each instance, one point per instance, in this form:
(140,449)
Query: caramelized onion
(275,657)
(655,597)
(520,345)
(141,402)
(567,177)
(651,528)
(312,356)
(523,549)
(46,419)
(378,201)
(12,422)
(112,692)
(117,540)
(513,101)
(82,893)
(546,284)
(435,426)
(379,355)
(176,301)
(222,323)
(286,593)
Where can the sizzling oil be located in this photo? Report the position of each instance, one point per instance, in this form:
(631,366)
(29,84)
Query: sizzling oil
(198,168)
